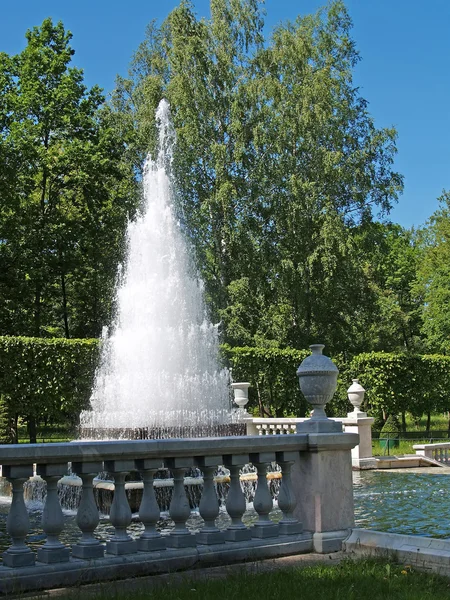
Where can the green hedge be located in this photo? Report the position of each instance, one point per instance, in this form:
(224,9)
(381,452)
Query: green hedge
(397,383)
(45,380)
(48,381)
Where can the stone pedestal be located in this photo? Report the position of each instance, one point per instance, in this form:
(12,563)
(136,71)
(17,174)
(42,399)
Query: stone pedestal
(360,423)
(322,481)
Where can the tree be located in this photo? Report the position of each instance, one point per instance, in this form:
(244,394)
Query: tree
(66,192)
(389,255)
(278,161)
(433,280)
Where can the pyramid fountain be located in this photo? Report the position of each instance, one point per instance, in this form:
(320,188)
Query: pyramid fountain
(159,373)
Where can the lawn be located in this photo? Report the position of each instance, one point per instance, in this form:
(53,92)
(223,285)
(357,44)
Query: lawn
(348,580)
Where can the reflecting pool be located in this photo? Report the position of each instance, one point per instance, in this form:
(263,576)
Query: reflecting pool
(410,501)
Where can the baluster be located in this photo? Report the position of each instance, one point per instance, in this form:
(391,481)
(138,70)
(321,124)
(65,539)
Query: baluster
(151,539)
(235,503)
(287,501)
(263,502)
(53,551)
(18,523)
(259,428)
(209,503)
(87,515)
(120,514)
(264,428)
(179,509)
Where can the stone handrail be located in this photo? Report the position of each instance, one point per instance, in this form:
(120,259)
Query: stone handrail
(55,563)
(355,422)
(438,452)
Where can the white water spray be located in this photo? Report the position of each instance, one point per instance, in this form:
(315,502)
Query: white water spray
(159,366)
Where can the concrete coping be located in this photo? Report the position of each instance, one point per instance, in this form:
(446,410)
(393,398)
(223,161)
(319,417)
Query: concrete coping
(442,445)
(20,454)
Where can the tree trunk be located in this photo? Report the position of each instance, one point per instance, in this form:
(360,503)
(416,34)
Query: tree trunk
(31,426)
(403,421)
(64,305)
(37,311)
(428,422)
(260,404)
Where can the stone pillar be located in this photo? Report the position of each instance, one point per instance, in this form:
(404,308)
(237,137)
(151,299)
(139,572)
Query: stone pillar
(361,424)
(262,502)
(322,477)
(120,515)
(89,546)
(53,551)
(209,503)
(322,481)
(149,512)
(358,422)
(179,509)
(19,553)
(235,504)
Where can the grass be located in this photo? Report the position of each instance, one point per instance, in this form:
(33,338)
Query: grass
(348,580)
(404,447)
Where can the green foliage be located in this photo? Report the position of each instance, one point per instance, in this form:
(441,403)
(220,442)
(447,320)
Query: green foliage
(398,383)
(395,382)
(278,164)
(433,278)
(46,380)
(274,388)
(65,193)
(5,422)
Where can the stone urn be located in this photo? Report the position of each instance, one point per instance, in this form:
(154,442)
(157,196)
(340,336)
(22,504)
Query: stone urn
(317,377)
(355,395)
(240,394)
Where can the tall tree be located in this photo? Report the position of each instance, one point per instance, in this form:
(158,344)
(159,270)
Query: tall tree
(65,192)
(278,162)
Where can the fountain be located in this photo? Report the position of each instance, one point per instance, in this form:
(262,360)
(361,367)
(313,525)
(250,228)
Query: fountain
(159,375)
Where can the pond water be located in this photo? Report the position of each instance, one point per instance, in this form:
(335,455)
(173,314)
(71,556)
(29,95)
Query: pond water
(408,501)
(405,501)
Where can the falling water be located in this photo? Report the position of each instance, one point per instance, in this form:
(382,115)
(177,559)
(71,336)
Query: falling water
(159,365)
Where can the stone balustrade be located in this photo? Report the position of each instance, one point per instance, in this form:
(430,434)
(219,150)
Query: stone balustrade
(438,452)
(315,500)
(355,422)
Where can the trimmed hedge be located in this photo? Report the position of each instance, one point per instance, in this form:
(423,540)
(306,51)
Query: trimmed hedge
(49,381)
(45,380)
(397,383)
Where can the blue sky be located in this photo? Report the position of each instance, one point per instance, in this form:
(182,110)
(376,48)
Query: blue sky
(404,72)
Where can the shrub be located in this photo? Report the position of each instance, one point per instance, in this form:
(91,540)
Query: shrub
(46,380)
(391,426)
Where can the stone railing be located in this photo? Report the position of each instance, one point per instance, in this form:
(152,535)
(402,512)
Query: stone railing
(438,452)
(272,426)
(355,422)
(315,499)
